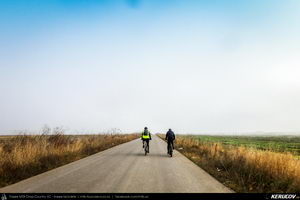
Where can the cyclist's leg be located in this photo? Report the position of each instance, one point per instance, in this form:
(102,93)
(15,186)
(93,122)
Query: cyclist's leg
(143,142)
(168,147)
(148,145)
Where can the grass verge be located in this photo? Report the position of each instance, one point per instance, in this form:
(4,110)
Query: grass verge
(244,169)
(24,156)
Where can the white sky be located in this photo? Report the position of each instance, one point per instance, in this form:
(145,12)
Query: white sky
(187,66)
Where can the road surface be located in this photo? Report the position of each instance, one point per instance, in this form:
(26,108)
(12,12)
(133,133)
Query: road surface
(125,168)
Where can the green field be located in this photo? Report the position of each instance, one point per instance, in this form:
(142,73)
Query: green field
(273,143)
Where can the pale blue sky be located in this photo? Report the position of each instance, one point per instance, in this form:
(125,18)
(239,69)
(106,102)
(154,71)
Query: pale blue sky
(194,66)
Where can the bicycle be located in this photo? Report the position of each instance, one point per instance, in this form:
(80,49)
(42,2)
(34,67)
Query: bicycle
(170,150)
(146,148)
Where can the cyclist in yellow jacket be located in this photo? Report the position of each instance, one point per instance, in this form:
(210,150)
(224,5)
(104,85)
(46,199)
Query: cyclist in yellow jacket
(146,136)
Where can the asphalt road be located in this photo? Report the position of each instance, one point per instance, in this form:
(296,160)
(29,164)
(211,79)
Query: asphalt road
(125,168)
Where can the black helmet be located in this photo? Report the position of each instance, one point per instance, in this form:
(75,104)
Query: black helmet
(146,128)
(169,129)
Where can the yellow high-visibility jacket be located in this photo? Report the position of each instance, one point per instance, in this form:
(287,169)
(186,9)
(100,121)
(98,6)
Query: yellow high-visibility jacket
(146,136)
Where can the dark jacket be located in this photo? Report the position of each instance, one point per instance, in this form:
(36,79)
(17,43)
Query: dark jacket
(170,136)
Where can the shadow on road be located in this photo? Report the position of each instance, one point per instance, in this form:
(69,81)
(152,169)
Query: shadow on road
(150,154)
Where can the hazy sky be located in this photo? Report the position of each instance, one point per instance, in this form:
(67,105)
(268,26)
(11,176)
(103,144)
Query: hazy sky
(194,66)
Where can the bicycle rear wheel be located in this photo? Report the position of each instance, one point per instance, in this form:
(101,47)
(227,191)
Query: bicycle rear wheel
(146,149)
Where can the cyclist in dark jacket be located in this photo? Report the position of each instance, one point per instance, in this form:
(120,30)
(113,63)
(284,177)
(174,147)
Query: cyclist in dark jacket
(170,137)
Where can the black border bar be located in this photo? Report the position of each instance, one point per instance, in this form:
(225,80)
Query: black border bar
(146,196)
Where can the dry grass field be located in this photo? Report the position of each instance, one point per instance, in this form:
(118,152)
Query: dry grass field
(23,156)
(242,168)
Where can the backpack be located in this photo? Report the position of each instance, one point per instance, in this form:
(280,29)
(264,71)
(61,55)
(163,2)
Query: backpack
(171,135)
(146,132)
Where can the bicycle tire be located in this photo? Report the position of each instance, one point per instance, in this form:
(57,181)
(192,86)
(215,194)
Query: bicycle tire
(170,149)
(146,148)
